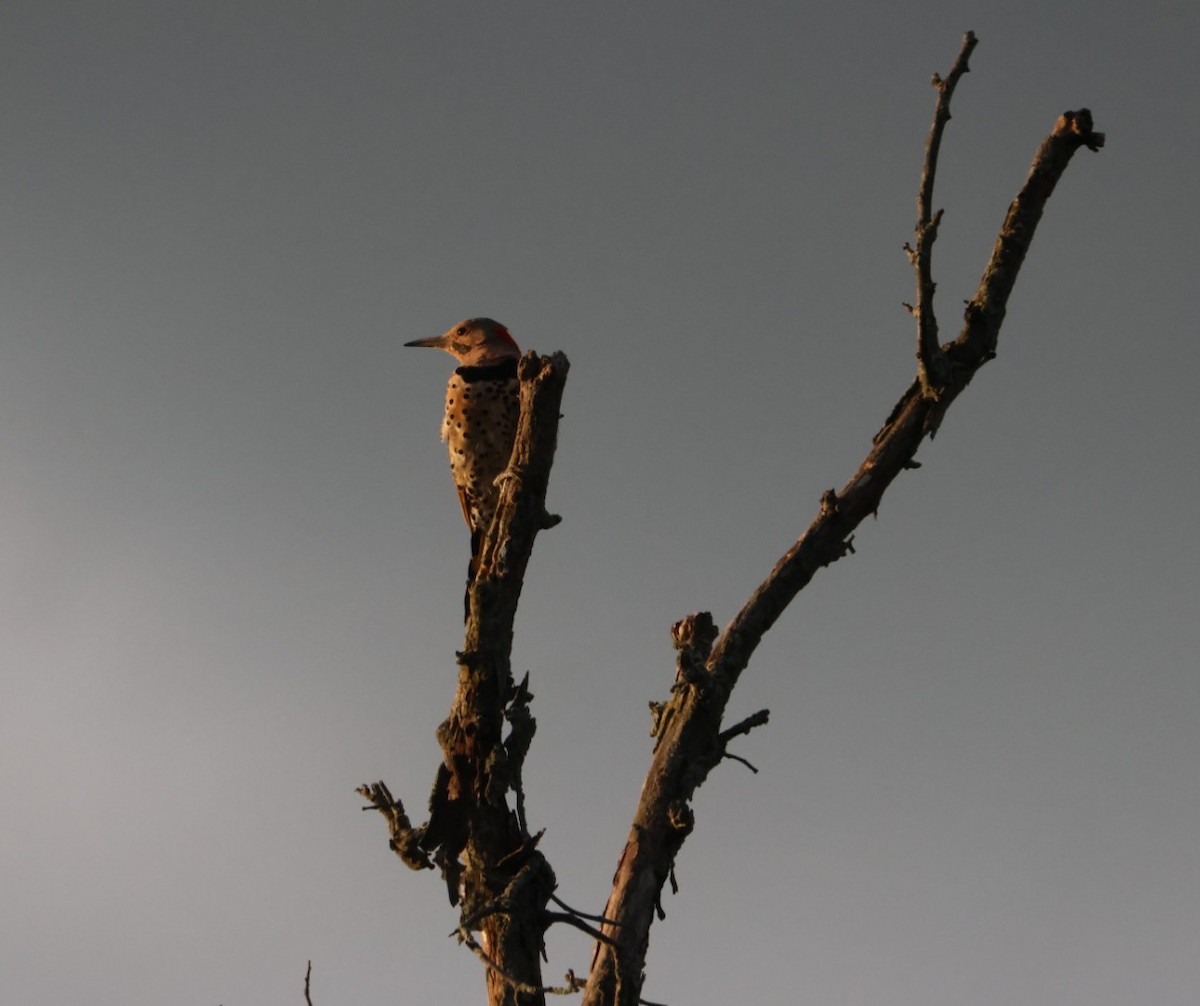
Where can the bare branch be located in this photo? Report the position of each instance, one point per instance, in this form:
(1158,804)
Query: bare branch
(914,416)
(405,840)
(929,359)
(575,911)
(689,739)
(985,311)
(738,758)
(749,723)
(578,923)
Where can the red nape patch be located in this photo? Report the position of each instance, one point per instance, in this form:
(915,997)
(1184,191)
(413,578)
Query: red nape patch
(506,337)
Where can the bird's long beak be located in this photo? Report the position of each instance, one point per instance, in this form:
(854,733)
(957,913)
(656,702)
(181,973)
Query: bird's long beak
(437,342)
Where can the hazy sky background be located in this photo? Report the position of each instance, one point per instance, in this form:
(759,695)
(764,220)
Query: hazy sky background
(232,557)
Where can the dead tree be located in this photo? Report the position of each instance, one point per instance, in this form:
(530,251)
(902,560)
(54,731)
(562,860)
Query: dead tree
(476,834)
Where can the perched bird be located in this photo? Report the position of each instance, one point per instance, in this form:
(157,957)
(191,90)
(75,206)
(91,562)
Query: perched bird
(480,422)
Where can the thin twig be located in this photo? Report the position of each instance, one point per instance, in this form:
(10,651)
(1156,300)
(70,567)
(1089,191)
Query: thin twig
(583,915)
(307,977)
(732,757)
(930,363)
(578,923)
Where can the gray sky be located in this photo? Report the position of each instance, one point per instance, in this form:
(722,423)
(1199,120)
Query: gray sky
(232,556)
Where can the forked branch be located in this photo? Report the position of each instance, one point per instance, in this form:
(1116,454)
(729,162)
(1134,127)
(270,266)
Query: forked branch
(689,738)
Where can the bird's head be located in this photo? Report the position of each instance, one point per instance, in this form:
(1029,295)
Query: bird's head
(476,342)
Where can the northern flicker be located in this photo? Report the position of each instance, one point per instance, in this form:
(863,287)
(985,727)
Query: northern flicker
(480,421)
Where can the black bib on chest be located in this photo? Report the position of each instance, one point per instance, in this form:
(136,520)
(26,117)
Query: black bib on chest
(503,371)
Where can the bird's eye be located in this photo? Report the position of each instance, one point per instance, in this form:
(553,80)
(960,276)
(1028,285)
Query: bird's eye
(462,330)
